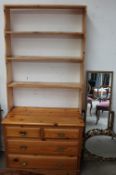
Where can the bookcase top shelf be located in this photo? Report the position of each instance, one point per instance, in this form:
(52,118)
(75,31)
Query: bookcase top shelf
(82,8)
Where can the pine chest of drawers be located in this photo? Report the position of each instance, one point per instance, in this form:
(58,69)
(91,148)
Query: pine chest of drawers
(44,139)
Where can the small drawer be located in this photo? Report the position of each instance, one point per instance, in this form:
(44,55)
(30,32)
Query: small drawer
(60,133)
(22,132)
(22,146)
(42,162)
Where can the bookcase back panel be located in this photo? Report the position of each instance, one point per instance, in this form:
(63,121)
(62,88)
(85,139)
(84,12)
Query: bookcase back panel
(46,97)
(46,46)
(46,72)
(49,20)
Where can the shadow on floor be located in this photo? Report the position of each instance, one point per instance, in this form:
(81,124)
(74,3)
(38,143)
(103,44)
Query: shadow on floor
(95,167)
(2,160)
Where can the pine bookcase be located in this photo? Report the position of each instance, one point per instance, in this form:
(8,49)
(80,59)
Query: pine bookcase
(46,139)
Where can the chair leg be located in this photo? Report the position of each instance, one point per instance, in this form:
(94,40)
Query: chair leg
(111,120)
(91,108)
(97,116)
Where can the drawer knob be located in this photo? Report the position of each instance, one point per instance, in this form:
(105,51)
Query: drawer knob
(23,147)
(59,165)
(16,160)
(23,163)
(23,133)
(60,149)
(61,135)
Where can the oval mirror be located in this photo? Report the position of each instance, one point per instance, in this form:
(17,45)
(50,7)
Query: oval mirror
(102,146)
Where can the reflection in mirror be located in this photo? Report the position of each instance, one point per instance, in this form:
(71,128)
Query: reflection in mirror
(99,93)
(98,109)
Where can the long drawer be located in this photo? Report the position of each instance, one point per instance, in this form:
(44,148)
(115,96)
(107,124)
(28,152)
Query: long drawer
(42,162)
(26,146)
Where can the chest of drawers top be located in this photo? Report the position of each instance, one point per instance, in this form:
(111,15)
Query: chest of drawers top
(44,117)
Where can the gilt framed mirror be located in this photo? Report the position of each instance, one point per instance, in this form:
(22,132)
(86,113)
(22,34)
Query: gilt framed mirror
(99,115)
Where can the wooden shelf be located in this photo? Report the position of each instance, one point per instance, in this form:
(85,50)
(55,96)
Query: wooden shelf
(46,33)
(61,116)
(46,59)
(55,10)
(78,8)
(44,85)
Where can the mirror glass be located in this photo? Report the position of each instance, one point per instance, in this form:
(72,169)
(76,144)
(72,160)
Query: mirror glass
(99,117)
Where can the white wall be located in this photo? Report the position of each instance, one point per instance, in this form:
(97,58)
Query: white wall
(101,37)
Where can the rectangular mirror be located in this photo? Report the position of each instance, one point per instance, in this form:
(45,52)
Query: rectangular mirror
(99,117)
(99,98)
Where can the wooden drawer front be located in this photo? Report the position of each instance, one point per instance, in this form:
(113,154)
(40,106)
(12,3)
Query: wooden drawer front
(22,132)
(42,162)
(43,147)
(61,133)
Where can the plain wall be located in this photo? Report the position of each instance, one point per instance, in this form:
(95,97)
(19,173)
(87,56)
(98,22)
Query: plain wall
(100,45)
